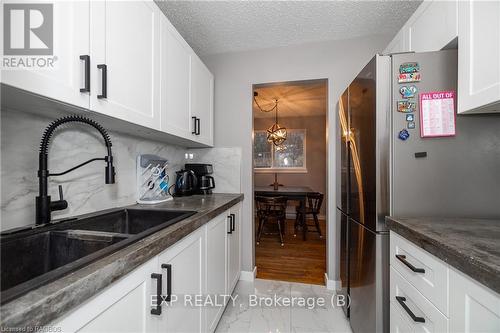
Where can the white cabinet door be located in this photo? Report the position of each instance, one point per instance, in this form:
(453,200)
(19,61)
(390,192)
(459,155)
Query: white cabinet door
(175,71)
(216,266)
(125,38)
(202,91)
(478,56)
(233,248)
(64,80)
(185,263)
(125,306)
(433,26)
(473,307)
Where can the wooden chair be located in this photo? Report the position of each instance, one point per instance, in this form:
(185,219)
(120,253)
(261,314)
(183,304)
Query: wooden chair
(271,208)
(313,207)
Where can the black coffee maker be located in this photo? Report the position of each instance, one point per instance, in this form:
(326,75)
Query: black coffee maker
(205,182)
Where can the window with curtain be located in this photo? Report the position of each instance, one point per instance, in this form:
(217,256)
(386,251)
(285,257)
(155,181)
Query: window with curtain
(291,157)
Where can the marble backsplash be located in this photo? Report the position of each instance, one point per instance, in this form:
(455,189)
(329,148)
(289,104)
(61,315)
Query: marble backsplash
(84,189)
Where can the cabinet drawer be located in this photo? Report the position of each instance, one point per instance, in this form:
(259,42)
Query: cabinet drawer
(426,317)
(426,273)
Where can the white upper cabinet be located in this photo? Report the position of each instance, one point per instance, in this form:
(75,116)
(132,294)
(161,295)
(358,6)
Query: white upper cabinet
(202,92)
(70,41)
(433,26)
(125,42)
(124,60)
(175,72)
(478,57)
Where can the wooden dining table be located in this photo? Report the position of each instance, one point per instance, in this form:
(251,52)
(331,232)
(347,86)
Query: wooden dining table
(298,193)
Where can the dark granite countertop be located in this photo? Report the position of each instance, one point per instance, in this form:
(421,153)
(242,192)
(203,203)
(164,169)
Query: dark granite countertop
(472,246)
(44,305)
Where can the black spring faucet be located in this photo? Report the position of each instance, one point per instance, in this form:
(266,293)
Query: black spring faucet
(44,206)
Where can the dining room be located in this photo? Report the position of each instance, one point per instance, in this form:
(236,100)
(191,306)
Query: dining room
(290,165)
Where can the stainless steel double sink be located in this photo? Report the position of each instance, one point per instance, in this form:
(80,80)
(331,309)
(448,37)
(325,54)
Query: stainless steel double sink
(31,258)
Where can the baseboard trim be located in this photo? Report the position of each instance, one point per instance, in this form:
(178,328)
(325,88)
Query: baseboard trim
(331,284)
(248,275)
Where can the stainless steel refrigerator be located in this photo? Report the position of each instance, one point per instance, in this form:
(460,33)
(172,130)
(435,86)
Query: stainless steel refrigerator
(381,174)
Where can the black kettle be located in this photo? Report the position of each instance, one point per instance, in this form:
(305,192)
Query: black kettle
(186,183)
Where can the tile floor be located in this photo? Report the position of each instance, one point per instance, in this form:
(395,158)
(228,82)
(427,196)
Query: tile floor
(243,318)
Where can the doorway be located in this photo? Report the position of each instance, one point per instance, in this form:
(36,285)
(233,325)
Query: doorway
(290,180)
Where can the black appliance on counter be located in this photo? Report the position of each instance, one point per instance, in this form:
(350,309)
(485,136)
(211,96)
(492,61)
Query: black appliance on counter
(186,183)
(205,183)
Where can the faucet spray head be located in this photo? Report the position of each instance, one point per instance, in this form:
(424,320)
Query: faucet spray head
(110,170)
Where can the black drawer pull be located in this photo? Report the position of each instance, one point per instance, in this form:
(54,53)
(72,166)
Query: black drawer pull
(157,309)
(104,78)
(402,258)
(86,59)
(401,300)
(198,130)
(168,267)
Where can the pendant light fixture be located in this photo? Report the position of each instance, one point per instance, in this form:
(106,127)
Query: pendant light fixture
(276,134)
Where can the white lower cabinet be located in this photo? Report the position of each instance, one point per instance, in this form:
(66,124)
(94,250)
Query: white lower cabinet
(233,247)
(182,268)
(125,306)
(415,311)
(428,295)
(217,231)
(189,275)
(473,307)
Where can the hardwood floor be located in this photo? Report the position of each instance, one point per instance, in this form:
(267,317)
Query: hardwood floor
(296,261)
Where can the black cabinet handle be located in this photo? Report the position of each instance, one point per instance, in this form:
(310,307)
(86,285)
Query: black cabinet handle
(230,224)
(86,60)
(401,300)
(198,130)
(157,309)
(168,267)
(104,78)
(194,126)
(402,258)
(233,222)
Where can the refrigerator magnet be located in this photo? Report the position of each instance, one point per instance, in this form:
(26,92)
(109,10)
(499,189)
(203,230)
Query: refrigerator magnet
(410,117)
(409,77)
(409,67)
(403,134)
(411,125)
(437,114)
(408,91)
(407,106)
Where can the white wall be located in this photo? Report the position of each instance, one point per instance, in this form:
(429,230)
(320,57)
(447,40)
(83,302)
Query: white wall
(235,73)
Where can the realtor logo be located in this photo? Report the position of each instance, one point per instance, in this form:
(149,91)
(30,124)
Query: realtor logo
(28,29)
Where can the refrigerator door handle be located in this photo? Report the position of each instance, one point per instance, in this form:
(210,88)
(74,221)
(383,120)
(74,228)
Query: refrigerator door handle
(401,300)
(402,258)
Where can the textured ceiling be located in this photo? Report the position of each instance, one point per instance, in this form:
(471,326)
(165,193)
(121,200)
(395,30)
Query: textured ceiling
(295,99)
(226,26)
